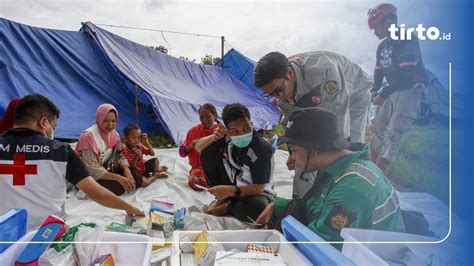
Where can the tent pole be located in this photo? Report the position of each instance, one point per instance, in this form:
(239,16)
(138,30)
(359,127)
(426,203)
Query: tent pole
(222,51)
(137,115)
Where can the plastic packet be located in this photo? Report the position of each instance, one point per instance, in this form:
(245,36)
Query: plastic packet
(85,253)
(53,258)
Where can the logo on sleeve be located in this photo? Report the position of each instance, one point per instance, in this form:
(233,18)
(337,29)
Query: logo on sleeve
(330,87)
(339,218)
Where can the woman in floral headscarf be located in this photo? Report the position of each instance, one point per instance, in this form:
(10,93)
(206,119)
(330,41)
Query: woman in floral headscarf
(99,145)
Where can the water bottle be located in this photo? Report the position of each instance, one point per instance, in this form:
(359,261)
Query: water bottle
(275,142)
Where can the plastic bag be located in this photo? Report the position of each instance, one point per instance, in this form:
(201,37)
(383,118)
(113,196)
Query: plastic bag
(85,253)
(62,251)
(68,238)
(52,257)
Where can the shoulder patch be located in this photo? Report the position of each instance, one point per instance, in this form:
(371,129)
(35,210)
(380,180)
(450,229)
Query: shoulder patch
(339,218)
(330,87)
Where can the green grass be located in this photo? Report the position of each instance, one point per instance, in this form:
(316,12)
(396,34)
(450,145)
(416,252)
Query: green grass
(278,130)
(161,141)
(422,164)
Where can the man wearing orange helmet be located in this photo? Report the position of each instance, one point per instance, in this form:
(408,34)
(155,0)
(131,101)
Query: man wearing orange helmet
(399,62)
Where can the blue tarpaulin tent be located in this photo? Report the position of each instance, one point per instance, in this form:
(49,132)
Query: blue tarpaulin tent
(65,67)
(80,70)
(241,67)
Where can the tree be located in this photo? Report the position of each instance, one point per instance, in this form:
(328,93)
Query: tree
(209,60)
(206,60)
(160,48)
(187,59)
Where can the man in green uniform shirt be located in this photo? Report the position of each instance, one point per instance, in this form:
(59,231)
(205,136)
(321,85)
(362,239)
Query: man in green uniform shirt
(349,190)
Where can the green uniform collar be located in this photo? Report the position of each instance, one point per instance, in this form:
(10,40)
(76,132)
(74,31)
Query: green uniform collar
(337,168)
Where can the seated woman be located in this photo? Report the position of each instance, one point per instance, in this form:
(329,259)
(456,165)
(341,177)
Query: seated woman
(238,165)
(208,117)
(99,148)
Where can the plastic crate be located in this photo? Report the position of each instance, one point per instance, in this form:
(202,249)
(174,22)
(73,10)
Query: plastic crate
(317,253)
(390,253)
(288,252)
(12,227)
(123,253)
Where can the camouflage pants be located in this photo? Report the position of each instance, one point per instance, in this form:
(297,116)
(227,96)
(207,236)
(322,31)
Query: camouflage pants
(393,119)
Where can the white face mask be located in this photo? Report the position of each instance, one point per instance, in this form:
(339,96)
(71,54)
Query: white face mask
(52,131)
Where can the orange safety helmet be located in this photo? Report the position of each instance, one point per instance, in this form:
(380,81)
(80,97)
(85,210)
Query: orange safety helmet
(377,14)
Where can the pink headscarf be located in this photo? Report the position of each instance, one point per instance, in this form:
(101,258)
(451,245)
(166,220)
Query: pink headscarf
(87,141)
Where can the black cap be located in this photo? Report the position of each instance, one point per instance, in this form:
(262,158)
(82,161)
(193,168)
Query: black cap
(314,128)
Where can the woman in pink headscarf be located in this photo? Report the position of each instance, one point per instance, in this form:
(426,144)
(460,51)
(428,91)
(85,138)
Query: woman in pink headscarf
(99,149)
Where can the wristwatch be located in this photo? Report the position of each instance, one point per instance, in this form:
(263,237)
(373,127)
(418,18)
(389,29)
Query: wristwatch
(237,191)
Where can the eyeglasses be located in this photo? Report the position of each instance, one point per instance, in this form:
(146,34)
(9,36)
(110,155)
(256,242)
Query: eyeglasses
(275,93)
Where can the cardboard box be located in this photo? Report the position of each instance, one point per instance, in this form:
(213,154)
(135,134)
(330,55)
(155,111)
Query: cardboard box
(104,260)
(161,206)
(123,228)
(159,219)
(204,252)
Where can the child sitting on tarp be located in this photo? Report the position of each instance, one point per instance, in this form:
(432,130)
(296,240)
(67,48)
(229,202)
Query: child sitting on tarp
(134,150)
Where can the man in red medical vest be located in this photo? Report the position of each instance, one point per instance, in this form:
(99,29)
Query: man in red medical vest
(34,167)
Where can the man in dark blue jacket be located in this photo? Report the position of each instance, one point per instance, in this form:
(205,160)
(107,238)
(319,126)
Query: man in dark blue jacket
(399,62)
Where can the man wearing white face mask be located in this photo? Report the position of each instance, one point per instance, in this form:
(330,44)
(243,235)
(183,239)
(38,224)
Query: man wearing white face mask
(238,166)
(51,130)
(34,167)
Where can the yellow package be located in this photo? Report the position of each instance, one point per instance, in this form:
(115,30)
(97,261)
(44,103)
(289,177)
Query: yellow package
(204,252)
(158,243)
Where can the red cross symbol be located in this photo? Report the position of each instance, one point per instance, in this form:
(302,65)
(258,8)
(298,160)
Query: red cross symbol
(18,169)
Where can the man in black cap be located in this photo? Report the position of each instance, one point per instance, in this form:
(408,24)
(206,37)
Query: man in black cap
(349,190)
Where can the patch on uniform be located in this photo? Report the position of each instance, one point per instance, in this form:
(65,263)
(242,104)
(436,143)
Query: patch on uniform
(317,99)
(330,87)
(339,218)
